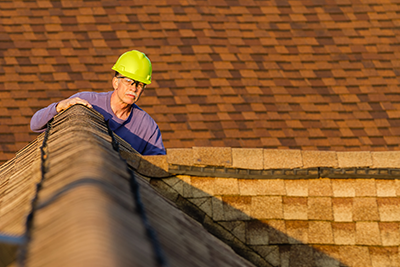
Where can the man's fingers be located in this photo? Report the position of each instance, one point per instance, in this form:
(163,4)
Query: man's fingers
(83,102)
(66,103)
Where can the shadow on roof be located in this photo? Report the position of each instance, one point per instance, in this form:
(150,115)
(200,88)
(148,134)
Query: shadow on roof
(84,203)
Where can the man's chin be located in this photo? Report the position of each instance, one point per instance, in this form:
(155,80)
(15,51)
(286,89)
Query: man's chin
(131,99)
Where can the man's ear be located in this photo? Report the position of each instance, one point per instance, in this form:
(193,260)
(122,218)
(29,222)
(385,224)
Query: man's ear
(115,83)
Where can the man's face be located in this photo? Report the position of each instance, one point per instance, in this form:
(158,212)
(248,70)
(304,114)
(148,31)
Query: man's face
(128,90)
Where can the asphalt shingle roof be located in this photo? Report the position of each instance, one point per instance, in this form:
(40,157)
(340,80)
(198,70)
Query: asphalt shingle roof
(311,75)
(69,199)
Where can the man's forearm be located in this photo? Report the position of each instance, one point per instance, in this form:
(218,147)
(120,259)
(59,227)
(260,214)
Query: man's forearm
(41,117)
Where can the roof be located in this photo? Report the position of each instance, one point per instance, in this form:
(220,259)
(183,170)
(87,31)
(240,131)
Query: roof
(309,75)
(99,203)
(90,209)
(80,195)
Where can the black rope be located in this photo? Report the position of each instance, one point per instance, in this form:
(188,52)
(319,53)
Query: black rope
(135,190)
(23,250)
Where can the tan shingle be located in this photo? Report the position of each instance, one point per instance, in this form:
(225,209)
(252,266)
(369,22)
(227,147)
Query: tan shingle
(354,159)
(296,187)
(319,159)
(320,232)
(320,208)
(320,187)
(226,186)
(180,156)
(295,208)
(237,207)
(344,233)
(262,187)
(390,234)
(202,186)
(384,256)
(214,156)
(282,159)
(276,230)
(356,256)
(247,158)
(365,209)
(297,231)
(342,209)
(367,233)
(385,159)
(388,209)
(385,188)
(258,207)
(365,188)
(343,188)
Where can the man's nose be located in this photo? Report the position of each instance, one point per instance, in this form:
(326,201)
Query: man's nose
(134,86)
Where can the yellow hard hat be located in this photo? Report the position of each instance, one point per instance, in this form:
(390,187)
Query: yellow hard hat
(135,65)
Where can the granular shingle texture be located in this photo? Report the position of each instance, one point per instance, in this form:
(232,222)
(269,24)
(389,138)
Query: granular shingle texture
(310,75)
(91,209)
(298,222)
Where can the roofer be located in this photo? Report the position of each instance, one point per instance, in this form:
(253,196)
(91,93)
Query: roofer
(132,73)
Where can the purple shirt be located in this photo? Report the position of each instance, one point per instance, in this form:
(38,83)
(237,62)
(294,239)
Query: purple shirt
(139,129)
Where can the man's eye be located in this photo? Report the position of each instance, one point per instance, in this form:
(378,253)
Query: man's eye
(129,80)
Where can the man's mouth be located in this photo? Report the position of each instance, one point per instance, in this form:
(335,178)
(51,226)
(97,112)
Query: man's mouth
(133,95)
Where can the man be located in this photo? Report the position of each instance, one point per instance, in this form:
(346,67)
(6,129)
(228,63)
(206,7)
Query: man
(132,73)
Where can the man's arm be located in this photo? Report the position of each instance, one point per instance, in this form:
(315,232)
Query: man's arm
(41,117)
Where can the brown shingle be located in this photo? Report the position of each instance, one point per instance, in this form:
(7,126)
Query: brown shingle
(297,231)
(320,208)
(295,208)
(342,209)
(357,256)
(345,72)
(384,256)
(388,209)
(320,232)
(365,209)
(258,210)
(237,207)
(344,233)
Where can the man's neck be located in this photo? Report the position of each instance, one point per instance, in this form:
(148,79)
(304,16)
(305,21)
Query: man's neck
(120,109)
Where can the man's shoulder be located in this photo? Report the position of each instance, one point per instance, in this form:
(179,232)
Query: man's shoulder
(94,98)
(143,115)
(91,94)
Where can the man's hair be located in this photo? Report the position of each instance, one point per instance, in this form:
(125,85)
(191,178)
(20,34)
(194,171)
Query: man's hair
(116,73)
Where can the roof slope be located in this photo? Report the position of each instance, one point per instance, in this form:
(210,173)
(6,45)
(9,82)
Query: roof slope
(88,209)
(312,75)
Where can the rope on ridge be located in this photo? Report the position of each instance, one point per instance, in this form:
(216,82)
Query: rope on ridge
(23,250)
(134,186)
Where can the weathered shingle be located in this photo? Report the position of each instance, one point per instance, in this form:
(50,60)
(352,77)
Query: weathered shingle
(69,199)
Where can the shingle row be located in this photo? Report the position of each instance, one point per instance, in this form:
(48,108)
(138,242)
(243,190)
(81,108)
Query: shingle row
(303,74)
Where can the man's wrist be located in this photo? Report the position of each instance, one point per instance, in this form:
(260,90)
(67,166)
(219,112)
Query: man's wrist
(57,107)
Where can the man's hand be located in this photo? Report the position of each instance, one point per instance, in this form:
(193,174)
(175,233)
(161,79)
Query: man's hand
(66,103)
